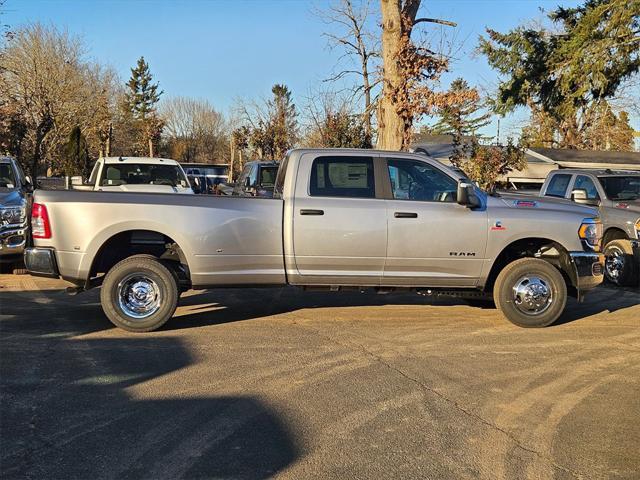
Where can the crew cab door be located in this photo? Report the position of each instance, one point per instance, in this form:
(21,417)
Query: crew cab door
(432,240)
(339,221)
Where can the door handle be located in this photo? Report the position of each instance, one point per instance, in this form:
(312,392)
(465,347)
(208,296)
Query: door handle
(307,211)
(405,215)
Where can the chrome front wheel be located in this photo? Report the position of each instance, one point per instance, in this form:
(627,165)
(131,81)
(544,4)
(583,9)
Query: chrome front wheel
(532,294)
(620,267)
(614,264)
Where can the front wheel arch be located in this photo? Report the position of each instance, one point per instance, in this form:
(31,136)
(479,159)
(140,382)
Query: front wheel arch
(538,247)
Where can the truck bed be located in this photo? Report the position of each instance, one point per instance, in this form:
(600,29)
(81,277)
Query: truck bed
(226,240)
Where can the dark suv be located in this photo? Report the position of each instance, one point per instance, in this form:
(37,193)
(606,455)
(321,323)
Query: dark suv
(257,179)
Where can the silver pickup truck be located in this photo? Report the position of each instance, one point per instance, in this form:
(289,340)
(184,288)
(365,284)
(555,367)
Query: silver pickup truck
(616,194)
(339,219)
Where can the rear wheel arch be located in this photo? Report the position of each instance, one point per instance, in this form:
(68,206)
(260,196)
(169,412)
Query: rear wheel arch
(128,243)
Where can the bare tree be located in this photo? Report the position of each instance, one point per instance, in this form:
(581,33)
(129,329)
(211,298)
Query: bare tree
(352,18)
(409,70)
(41,74)
(194,130)
(333,122)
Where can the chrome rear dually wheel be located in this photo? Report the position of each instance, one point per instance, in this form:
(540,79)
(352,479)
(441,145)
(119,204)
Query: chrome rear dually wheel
(139,294)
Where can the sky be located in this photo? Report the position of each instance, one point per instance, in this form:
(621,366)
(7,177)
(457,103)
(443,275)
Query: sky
(224,50)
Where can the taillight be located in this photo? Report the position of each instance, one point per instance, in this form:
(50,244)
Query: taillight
(40,226)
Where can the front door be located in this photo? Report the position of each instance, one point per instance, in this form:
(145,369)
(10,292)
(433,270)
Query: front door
(339,223)
(431,239)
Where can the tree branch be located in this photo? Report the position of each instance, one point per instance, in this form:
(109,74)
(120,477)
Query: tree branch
(435,20)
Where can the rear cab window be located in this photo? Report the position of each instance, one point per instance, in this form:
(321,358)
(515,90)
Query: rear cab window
(558,185)
(351,177)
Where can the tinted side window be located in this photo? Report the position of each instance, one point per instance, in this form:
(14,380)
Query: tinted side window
(415,180)
(587,184)
(253,177)
(558,186)
(342,177)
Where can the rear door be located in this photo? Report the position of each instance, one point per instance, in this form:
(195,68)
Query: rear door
(558,185)
(339,222)
(431,239)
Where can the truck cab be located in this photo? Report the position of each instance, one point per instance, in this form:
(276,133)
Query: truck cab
(616,194)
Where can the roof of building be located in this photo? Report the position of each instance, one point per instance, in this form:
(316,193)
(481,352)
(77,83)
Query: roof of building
(603,172)
(588,156)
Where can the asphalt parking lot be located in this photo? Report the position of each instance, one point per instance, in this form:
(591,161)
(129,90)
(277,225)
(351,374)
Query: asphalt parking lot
(268,382)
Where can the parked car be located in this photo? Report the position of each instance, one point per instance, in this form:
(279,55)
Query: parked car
(206,177)
(338,219)
(15,203)
(617,196)
(136,174)
(257,179)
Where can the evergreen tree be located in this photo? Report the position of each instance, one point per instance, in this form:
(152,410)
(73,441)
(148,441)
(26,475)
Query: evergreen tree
(77,154)
(275,129)
(283,119)
(565,74)
(142,95)
(141,98)
(463,117)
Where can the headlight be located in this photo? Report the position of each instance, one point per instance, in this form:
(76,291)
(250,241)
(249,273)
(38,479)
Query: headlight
(590,232)
(12,215)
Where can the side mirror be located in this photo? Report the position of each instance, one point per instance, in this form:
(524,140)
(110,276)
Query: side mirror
(247,182)
(579,195)
(76,181)
(467,195)
(28,179)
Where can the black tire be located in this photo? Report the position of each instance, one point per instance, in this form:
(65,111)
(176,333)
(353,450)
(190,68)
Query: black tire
(620,267)
(530,274)
(139,294)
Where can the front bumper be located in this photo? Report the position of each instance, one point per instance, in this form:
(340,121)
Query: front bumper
(585,270)
(41,262)
(13,240)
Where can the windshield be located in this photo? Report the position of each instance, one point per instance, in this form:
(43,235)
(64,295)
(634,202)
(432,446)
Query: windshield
(143,174)
(7,178)
(621,187)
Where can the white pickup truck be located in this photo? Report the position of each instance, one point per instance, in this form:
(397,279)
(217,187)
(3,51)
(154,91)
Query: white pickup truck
(338,219)
(136,174)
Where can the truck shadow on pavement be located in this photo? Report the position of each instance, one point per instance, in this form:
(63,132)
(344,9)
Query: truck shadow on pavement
(239,305)
(80,407)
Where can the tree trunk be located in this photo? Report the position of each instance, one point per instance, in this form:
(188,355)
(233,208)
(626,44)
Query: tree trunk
(391,126)
(45,125)
(108,142)
(151,152)
(367,99)
(233,154)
